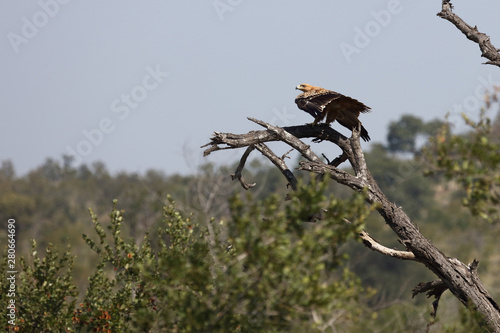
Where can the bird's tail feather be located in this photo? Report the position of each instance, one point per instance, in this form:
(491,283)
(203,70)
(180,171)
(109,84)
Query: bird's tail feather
(364,134)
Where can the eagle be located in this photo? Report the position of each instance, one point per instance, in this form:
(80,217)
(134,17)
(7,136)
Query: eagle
(321,103)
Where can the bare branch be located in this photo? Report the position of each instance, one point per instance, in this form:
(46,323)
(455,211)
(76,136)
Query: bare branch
(340,176)
(356,156)
(487,49)
(475,278)
(290,139)
(239,169)
(434,288)
(285,155)
(374,245)
(339,160)
(279,163)
(233,141)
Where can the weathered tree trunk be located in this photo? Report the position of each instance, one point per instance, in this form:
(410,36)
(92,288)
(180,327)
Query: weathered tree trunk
(461,279)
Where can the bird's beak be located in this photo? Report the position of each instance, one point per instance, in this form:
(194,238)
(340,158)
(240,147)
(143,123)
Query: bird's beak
(297,88)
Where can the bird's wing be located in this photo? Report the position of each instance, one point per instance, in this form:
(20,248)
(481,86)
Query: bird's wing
(344,104)
(314,102)
(310,107)
(345,110)
(321,102)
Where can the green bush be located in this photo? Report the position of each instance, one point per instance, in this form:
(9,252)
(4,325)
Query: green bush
(264,270)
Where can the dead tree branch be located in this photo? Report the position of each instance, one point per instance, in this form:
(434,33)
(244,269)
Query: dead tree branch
(374,245)
(459,278)
(488,51)
(279,163)
(289,139)
(241,166)
(322,132)
(434,288)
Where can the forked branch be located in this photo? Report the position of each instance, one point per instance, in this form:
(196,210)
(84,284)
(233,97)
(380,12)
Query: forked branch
(487,49)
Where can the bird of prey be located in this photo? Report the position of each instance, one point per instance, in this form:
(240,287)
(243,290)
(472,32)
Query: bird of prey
(321,103)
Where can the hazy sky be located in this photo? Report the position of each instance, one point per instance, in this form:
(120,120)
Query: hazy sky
(143,84)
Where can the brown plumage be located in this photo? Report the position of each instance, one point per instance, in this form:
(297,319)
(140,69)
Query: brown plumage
(321,103)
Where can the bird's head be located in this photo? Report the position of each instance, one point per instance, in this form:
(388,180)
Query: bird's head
(304,87)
